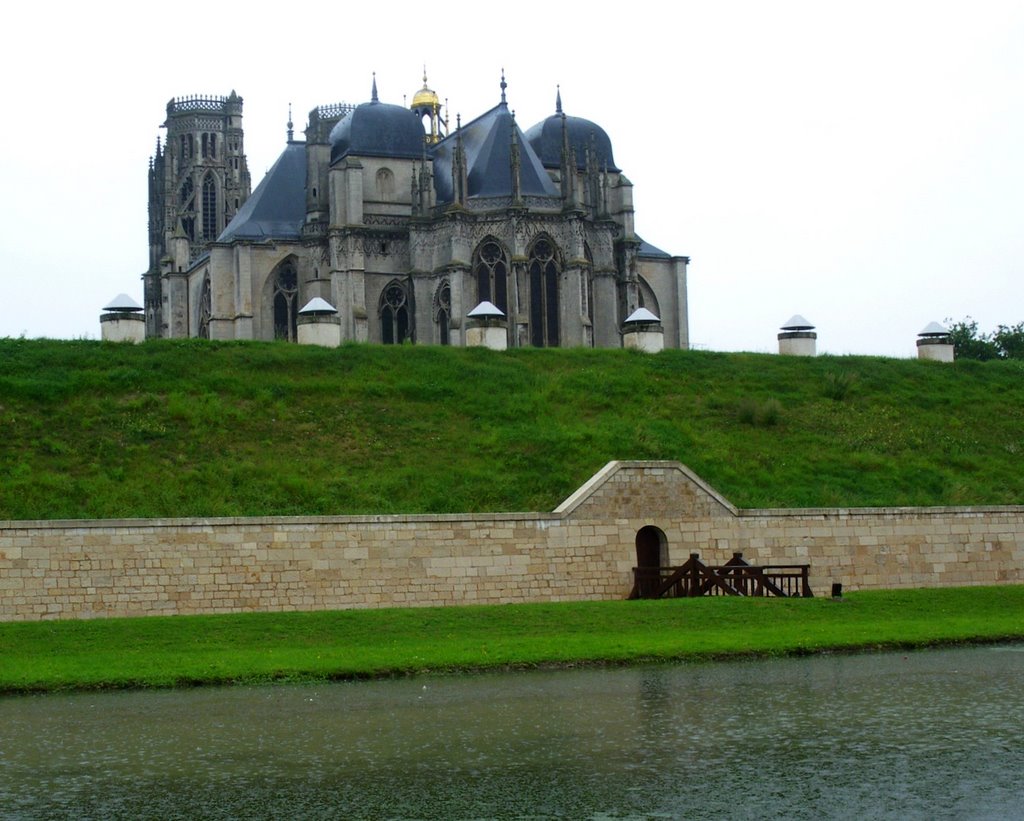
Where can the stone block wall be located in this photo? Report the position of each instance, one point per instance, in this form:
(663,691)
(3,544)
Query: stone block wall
(585,549)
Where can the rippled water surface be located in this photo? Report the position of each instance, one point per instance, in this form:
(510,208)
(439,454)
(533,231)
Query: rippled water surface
(934,734)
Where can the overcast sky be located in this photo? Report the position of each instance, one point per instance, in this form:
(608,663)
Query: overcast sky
(861,164)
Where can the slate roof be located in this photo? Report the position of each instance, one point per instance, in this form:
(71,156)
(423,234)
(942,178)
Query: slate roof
(648,250)
(545,139)
(277,208)
(377,129)
(488,144)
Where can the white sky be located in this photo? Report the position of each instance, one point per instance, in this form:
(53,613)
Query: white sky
(860,163)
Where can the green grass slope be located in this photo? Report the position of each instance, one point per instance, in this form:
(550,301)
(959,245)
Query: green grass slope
(195,428)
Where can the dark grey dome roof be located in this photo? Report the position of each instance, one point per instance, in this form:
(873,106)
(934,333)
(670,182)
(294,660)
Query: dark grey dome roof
(545,138)
(377,129)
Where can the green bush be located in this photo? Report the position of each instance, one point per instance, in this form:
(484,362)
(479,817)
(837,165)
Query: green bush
(764,414)
(839,385)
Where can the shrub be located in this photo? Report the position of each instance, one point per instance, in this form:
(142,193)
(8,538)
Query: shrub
(759,414)
(839,385)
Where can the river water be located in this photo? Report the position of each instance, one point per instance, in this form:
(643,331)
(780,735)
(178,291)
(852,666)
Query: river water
(931,734)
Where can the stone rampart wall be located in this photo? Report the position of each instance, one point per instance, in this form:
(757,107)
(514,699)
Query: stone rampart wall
(585,549)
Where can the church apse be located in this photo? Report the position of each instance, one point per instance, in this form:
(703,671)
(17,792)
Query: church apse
(385,203)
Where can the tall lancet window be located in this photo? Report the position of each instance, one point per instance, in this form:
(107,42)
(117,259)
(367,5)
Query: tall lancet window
(187,199)
(286,303)
(443,312)
(395,315)
(209,208)
(587,293)
(205,309)
(544,270)
(490,268)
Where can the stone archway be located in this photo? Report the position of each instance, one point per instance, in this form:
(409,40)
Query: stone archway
(651,547)
(651,553)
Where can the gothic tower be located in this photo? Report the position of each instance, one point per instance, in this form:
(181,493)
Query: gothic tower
(198,179)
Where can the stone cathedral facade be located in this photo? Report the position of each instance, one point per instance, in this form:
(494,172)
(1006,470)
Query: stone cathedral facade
(402,223)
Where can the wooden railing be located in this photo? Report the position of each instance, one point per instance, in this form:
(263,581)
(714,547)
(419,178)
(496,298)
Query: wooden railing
(735,578)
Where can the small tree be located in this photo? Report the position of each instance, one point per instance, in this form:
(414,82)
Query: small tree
(968,343)
(1006,343)
(1010,341)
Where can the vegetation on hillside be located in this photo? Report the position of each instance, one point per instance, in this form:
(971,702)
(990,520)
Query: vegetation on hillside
(1005,342)
(198,428)
(162,651)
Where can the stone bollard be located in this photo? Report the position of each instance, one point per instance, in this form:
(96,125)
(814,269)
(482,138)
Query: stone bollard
(935,343)
(642,331)
(123,321)
(798,338)
(487,327)
(319,324)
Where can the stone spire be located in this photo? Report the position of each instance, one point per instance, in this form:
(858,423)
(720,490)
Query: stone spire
(568,169)
(373,92)
(515,164)
(459,172)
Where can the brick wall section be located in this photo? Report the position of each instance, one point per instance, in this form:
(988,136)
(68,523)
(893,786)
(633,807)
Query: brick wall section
(585,549)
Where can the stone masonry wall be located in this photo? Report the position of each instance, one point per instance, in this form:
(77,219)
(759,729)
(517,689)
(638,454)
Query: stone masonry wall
(585,549)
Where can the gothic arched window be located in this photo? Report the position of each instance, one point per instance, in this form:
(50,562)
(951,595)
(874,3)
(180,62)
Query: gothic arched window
(587,292)
(187,199)
(544,270)
(205,309)
(395,315)
(385,184)
(490,268)
(443,311)
(286,303)
(209,208)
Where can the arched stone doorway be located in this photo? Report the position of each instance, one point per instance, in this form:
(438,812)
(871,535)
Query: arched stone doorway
(651,553)
(651,547)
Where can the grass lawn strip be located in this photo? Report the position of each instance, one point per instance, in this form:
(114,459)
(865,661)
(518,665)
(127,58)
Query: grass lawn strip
(317,646)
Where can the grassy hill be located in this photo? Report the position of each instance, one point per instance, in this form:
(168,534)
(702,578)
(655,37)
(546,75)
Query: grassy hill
(193,428)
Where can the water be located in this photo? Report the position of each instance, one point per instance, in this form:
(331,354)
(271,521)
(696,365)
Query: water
(933,734)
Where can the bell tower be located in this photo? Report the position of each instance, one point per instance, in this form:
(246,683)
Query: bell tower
(198,179)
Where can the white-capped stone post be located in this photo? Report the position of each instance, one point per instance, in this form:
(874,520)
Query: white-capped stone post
(642,331)
(935,343)
(487,327)
(798,338)
(319,324)
(122,320)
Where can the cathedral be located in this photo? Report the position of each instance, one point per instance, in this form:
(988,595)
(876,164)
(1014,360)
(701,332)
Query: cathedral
(401,225)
